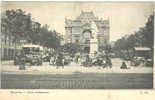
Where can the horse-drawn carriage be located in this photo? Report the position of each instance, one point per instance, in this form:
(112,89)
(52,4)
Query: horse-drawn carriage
(99,60)
(66,59)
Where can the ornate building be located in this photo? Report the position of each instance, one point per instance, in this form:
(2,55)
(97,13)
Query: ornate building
(80,30)
(8,46)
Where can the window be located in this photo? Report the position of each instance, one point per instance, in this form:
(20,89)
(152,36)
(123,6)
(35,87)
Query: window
(76,40)
(5,41)
(87,35)
(5,53)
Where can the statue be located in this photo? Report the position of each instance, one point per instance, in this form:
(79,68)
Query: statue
(93,40)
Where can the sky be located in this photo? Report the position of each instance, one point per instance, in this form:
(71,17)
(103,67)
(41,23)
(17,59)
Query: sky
(125,18)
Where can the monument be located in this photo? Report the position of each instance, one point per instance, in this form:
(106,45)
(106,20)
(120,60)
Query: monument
(93,40)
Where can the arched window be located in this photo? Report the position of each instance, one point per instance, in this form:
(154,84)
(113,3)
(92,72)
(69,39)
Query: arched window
(87,34)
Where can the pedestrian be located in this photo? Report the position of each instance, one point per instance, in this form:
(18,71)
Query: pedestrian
(123,66)
(59,61)
(22,61)
(81,60)
(77,59)
(87,61)
(17,58)
(108,62)
(99,62)
(52,60)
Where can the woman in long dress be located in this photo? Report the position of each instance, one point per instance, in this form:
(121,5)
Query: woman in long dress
(59,61)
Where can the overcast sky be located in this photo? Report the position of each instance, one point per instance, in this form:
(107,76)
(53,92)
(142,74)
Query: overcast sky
(125,18)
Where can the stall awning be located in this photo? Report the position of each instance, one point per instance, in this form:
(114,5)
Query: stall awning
(142,49)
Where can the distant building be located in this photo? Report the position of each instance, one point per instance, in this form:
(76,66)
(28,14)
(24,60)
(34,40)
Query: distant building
(9,44)
(80,30)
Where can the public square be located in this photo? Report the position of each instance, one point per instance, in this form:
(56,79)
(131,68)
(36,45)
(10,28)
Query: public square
(77,45)
(75,76)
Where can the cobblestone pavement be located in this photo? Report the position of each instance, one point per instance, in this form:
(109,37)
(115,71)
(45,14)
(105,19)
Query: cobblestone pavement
(78,81)
(75,76)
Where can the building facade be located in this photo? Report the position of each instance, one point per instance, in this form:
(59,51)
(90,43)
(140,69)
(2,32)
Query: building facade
(8,46)
(80,30)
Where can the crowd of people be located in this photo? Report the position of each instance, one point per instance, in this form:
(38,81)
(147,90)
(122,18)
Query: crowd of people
(60,60)
(85,59)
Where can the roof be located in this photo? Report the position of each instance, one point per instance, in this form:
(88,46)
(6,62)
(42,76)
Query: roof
(142,49)
(32,45)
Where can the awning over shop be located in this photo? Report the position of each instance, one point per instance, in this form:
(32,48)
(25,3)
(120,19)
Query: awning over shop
(142,49)
(143,52)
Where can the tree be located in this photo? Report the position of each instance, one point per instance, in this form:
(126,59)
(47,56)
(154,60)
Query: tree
(124,46)
(48,38)
(148,32)
(143,37)
(18,24)
(71,48)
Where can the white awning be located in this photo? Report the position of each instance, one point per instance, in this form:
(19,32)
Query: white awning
(30,45)
(142,49)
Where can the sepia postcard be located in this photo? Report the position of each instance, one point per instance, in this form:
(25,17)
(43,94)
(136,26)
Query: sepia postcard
(81,50)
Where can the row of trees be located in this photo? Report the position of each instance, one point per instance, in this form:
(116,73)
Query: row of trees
(142,38)
(19,25)
(48,38)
